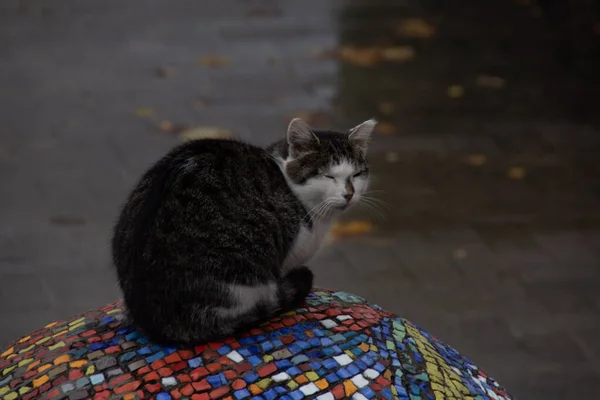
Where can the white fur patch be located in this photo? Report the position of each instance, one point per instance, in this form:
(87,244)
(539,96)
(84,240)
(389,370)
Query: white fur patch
(307,244)
(246,297)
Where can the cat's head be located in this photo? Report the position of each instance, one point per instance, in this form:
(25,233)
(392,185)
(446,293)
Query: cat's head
(327,170)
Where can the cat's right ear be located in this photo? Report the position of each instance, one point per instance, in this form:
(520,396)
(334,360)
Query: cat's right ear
(300,138)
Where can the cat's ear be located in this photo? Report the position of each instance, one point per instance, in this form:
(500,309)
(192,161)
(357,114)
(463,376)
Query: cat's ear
(300,137)
(360,135)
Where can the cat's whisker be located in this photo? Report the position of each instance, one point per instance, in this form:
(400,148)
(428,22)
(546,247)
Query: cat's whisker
(373,207)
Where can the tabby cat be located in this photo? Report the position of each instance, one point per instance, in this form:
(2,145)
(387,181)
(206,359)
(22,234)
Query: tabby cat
(214,237)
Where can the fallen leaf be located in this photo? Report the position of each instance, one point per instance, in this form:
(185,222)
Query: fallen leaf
(459,254)
(399,53)
(491,82)
(169,127)
(391,157)
(351,228)
(385,128)
(386,108)
(517,173)
(67,220)
(416,28)
(214,61)
(476,160)
(365,57)
(206,132)
(455,91)
(144,112)
(165,72)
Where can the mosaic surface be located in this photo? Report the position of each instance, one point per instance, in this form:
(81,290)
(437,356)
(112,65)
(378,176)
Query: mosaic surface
(337,347)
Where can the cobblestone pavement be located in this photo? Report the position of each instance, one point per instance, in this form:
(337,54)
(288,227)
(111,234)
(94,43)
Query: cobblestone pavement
(491,235)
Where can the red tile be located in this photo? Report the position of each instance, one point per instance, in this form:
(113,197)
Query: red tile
(230,374)
(153,387)
(186,354)
(202,386)
(187,390)
(243,367)
(89,333)
(286,339)
(157,364)
(172,358)
(198,373)
(202,396)
(165,371)
(53,393)
(340,329)
(267,370)
(128,387)
(120,379)
(176,394)
(143,371)
(215,345)
(30,395)
(338,392)
(214,367)
(289,322)
(238,384)
(104,395)
(152,376)
(112,349)
(200,349)
(184,378)
(75,374)
(223,390)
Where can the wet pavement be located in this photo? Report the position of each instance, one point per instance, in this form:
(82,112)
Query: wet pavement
(486,229)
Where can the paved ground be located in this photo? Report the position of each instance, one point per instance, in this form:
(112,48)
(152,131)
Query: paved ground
(487,160)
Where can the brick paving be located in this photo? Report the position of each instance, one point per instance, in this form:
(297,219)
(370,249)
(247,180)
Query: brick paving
(505,270)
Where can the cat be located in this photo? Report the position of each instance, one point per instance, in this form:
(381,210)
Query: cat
(214,237)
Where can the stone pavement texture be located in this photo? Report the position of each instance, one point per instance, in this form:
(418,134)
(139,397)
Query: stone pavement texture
(486,163)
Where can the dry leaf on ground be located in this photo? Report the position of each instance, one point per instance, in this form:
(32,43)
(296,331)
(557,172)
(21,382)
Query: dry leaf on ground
(351,228)
(214,61)
(206,132)
(455,91)
(169,127)
(365,57)
(416,28)
(144,112)
(385,128)
(517,173)
(399,53)
(476,160)
(491,82)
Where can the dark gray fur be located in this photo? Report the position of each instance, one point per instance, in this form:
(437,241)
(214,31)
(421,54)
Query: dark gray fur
(209,214)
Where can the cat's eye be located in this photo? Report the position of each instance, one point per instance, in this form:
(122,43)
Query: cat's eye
(356,175)
(329,177)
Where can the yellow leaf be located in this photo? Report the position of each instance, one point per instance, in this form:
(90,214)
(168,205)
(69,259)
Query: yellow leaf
(214,61)
(386,107)
(351,228)
(476,160)
(207,132)
(455,91)
(385,128)
(416,28)
(365,57)
(166,126)
(399,53)
(491,82)
(144,112)
(517,173)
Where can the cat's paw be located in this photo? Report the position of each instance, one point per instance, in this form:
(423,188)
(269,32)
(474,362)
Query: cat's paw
(301,279)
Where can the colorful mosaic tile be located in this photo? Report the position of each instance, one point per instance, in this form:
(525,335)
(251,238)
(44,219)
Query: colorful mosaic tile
(337,347)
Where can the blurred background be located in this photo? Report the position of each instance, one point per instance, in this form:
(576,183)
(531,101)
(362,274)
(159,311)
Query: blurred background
(486,227)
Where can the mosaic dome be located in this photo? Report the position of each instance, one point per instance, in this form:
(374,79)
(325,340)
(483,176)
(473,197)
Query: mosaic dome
(337,347)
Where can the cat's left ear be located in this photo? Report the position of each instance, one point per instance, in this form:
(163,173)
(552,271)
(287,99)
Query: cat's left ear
(360,135)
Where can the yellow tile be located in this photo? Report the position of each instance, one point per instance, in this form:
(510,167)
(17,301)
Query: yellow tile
(268,358)
(33,365)
(62,359)
(50,325)
(7,352)
(25,362)
(79,325)
(292,385)
(115,311)
(40,381)
(263,384)
(349,388)
(26,349)
(44,367)
(78,363)
(24,339)
(56,345)
(42,340)
(322,384)
(364,347)
(24,389)
(3,390)
(76,321)
(8,370)
(90,370)
(60,333)
(11,396)
(312,376)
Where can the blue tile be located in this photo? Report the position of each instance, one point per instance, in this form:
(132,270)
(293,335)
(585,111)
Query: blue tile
(283,364)
(332,378)
(163,396)
(293,371)
(195,362)
(132,336)
(155,357)
(254,360)
(224,350)
(241,394)
(251,377)
(296,395)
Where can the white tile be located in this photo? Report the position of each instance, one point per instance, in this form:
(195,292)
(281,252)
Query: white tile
(281,377)
(235,357)
(343,359)
(328,323)
(370,373)
(343,317)
(326,396)
(359,381)
(169,381)
(309,389)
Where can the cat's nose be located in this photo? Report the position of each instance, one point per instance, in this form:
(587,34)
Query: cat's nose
(348,196)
